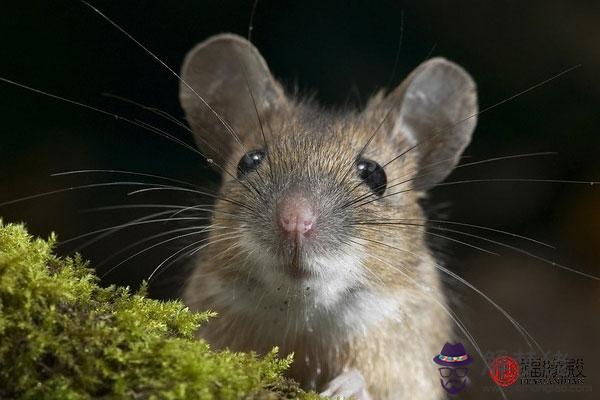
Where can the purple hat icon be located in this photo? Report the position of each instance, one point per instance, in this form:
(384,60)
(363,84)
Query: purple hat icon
(453,355)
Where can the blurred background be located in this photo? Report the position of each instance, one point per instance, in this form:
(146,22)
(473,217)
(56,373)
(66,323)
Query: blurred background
(343,52)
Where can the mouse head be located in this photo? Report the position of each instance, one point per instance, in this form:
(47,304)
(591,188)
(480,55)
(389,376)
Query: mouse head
(309,194)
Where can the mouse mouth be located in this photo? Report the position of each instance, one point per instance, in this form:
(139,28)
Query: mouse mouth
(295,262)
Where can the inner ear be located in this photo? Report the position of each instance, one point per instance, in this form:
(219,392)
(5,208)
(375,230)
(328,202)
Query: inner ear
(436,112)
(225,84)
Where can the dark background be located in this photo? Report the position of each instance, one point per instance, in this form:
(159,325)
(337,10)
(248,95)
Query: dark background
(343,51)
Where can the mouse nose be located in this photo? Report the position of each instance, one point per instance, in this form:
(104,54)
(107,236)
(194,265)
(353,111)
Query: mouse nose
(295,216)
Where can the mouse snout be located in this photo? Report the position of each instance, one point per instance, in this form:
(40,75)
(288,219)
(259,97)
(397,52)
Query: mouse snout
(295,216)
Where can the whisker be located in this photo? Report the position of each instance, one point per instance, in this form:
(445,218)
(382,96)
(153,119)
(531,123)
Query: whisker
(147,239)
(201,208)
(75,188)
(522,331)
(210,161)
(245,73)
(170,207)
(453,316)
(398,51)
(431,51)
(443,237)
(178,237)
(509,157)
(519,180)
(98,110)
(421,172)
(473,163)
(114,171)
(227,126)
(136,222)
(442,130)
(175,188)
(390,80)
(106,232)
(493,180)
(134,206)
(163,114)
(170,118)
(400,221)
(136,123)
(506,100)
(537,85)
(221,238)
(517,249)
(372,192)
(362,150)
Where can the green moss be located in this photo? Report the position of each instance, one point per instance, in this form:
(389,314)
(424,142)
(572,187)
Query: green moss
(64,337)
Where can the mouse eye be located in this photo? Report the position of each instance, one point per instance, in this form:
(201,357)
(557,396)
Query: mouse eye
(250,161)
(373,175)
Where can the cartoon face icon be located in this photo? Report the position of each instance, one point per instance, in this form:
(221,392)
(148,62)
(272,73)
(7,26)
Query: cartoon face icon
(453,360)
(453,379)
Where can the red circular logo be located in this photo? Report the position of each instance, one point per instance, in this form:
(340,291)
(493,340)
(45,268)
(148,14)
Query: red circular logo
(504,371)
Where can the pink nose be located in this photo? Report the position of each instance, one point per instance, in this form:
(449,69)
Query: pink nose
(295,215)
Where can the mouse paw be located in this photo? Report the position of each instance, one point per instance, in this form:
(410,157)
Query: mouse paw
(348,385)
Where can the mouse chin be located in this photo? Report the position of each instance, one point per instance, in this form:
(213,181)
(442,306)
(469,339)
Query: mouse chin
(297,272)
(302,266)
(296,263)
(340,271)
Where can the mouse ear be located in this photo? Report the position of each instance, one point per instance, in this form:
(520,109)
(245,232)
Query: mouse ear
(218,77)
(437,113)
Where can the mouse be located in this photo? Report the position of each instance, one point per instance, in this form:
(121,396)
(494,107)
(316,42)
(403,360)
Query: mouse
(317,238)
